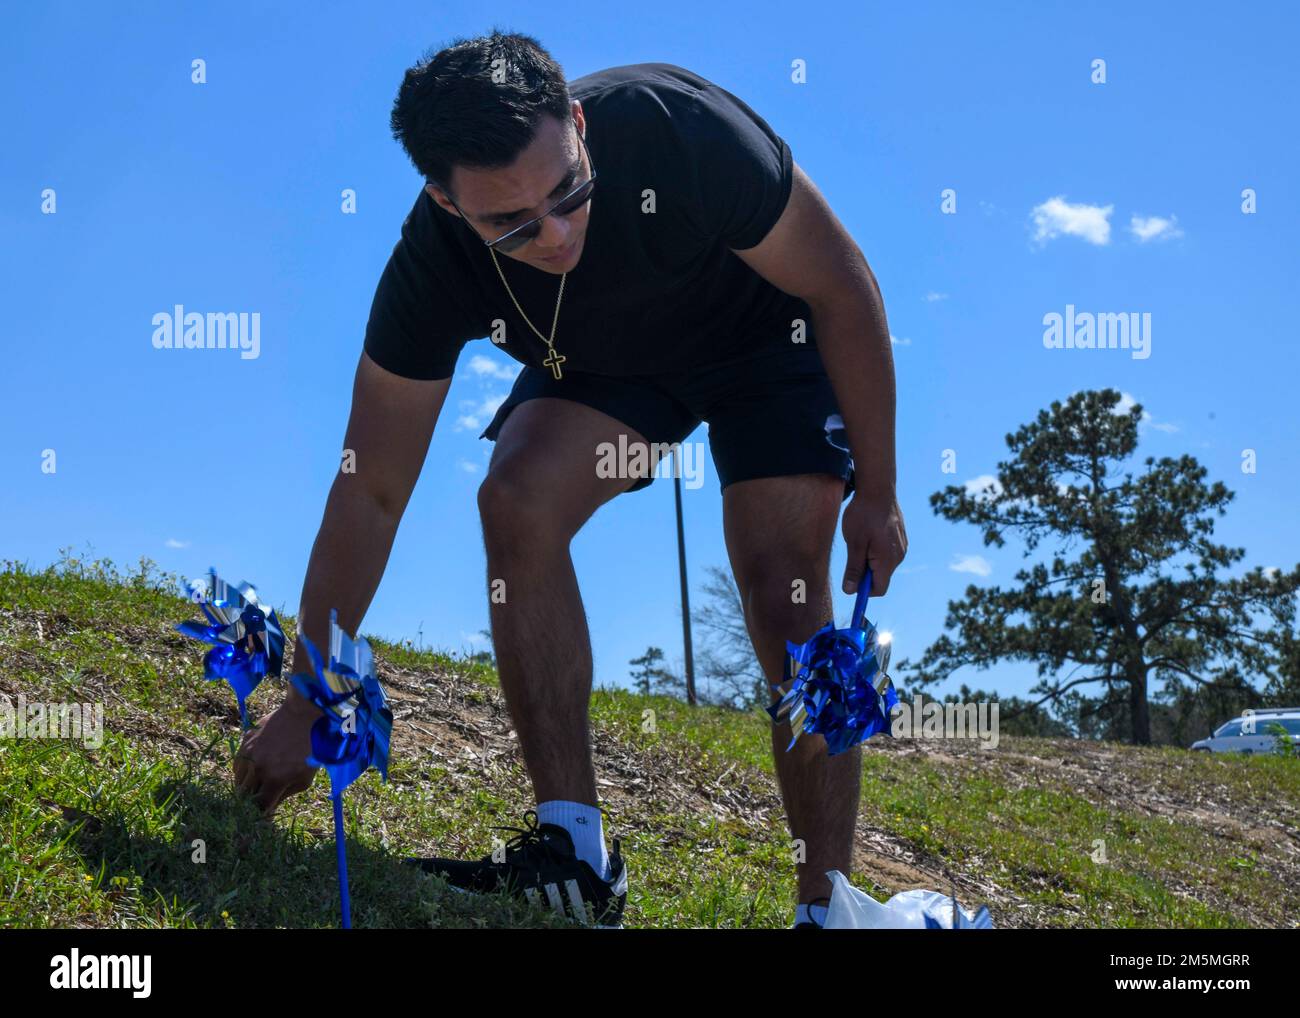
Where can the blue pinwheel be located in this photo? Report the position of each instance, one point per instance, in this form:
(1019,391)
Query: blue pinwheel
(246,638)
(355,731)
(838,685)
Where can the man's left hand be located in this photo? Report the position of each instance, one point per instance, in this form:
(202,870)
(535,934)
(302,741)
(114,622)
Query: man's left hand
(873,529)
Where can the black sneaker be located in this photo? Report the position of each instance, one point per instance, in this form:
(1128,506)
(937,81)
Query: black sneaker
(541,867)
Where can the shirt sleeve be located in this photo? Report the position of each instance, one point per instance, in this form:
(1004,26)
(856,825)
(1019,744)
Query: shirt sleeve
(416,327)
(743,169)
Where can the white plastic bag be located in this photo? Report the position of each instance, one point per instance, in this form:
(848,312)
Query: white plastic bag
(851,909)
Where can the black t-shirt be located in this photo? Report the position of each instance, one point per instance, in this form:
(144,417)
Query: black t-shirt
(652,292)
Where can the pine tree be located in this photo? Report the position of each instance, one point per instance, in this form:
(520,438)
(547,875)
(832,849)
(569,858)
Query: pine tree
(1145,598)
(649,671)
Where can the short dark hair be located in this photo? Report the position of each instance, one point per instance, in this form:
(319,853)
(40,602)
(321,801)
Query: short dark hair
(451,112)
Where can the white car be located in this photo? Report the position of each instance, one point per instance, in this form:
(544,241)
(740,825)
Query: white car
(1255,732)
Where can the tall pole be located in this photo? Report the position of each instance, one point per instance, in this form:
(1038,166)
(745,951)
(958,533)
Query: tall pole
(681,570)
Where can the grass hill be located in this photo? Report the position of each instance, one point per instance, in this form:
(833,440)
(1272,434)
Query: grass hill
(103,837)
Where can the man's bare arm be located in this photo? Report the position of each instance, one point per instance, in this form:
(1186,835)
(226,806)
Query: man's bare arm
(388,435)
(809,254)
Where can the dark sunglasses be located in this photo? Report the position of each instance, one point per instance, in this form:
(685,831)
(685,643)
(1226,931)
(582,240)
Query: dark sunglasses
(566,206)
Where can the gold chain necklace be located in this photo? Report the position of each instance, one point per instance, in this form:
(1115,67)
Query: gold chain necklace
(553,359)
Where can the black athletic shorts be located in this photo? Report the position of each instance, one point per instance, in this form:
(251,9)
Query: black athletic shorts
(770,414)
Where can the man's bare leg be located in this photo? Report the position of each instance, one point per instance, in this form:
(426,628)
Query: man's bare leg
(780,530)
(540,489)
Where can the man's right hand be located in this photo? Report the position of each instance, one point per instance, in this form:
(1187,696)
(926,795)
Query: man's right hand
(272,760)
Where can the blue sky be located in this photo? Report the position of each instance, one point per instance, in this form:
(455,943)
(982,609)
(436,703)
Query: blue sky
(226,195)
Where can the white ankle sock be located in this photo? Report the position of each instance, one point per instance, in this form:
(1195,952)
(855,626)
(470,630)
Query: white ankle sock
(584,825)
(810,914)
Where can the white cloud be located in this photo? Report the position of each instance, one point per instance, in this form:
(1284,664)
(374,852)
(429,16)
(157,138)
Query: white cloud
(976,564)
(1056,216)
(899,342)
(1125,406)
(171,542)
(468,467)
(476,413)
(932,296)
(486,367)
(1148,228)
(979,487)
(474,639)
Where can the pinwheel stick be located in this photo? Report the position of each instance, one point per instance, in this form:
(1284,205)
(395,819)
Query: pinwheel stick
(354,732)
(859,620)
(341,846)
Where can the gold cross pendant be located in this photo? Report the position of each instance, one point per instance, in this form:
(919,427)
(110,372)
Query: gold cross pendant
(553,361)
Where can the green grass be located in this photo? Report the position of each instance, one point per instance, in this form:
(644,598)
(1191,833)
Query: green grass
(109,836)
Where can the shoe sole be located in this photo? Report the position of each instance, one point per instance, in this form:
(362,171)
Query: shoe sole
(576,922)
